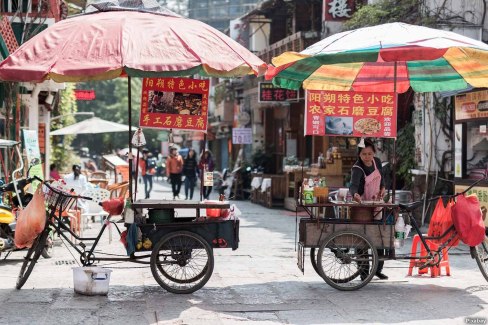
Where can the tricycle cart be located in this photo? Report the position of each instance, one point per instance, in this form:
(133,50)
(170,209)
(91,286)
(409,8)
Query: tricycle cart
(181,259)
(345,252)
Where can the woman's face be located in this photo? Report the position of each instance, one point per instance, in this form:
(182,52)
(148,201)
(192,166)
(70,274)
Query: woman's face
(191,153)
(367,156)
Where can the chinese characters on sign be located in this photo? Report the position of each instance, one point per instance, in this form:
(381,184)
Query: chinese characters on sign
(350,113)
(241,135)
(81,94)
(269,93)
(174,103)
(338,9)
(472,105)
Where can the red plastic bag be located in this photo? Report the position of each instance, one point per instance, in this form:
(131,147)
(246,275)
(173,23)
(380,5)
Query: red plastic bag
(436,219)
(468,220)
(440,222)
(30,221)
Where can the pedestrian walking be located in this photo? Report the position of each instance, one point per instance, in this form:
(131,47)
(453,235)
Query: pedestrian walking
(206,165)
(190,172)
(147,166)
(174,167)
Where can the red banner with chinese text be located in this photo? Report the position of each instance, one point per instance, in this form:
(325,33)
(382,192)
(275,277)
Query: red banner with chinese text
(357,114)
(174,103)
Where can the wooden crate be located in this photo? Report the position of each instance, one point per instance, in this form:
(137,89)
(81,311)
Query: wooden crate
(313,233)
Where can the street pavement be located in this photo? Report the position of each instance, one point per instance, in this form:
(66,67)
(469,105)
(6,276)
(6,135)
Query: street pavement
(258,283)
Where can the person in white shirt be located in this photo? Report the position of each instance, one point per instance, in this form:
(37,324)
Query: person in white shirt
(76,180)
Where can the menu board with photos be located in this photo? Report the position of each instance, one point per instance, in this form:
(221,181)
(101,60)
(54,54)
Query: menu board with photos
(358,114)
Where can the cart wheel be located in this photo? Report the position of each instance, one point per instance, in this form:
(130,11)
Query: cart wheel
(481,255)
(313,260)
(182,262)
(31,258)
(345,258)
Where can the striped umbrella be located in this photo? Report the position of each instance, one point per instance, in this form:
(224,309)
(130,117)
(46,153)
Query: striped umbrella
(375,59)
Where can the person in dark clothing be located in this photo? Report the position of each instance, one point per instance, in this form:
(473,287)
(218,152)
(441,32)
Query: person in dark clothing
(206,165)
(367,183)
(147,167)
(190,172)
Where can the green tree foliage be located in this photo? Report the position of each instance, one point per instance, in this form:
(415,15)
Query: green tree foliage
(388,11)
(111,104)
(406,153)
(62,154)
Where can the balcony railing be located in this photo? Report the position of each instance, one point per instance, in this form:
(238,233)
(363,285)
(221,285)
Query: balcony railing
(296,42)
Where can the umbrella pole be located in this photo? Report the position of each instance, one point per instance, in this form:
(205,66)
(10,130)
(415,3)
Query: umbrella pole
(393,185)
(129,94)
(203,170)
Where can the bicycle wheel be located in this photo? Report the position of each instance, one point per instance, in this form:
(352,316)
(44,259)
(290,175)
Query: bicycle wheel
(343,257)
(481,256)
(31,258)
(182,262)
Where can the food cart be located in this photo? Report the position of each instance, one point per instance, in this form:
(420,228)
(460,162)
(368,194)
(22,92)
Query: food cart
(145,49)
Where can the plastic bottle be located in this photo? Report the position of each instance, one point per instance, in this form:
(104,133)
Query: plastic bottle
(399,232)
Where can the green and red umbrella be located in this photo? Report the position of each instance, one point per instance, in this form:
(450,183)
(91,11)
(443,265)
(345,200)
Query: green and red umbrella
(374,59)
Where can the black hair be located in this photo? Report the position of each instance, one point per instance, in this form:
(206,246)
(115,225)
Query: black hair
(367,143)
(52,167)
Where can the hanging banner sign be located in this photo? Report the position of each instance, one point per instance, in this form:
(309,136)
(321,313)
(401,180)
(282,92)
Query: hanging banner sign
(31,144)
(242,136)
(349,113)
(174,103)
(471,105)
(269,93)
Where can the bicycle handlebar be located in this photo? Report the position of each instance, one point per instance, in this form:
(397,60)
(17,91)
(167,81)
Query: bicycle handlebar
(59,192)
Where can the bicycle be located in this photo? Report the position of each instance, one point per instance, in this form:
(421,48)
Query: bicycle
(56,201)
(181,259)
(347,256)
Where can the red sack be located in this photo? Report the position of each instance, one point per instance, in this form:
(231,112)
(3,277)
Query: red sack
(440,222)
(468,220)
(30,221)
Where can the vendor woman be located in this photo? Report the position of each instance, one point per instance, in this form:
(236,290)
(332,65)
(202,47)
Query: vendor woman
(367,184)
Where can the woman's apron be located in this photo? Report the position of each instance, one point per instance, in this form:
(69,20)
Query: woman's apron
(372,184)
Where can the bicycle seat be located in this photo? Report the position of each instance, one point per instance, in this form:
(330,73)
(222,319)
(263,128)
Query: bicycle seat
(410,206)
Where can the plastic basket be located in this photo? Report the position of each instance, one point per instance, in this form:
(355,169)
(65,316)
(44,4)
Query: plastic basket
(56,199)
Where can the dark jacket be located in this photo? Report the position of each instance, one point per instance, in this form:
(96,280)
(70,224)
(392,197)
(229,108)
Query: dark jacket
(190,167)
(357,176)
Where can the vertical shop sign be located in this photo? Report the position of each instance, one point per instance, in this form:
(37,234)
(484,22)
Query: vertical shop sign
(174,103)
(349,113)
(338,9)
(31,144)
(458,150)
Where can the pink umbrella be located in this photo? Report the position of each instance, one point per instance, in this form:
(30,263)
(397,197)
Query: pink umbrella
(106,45)
(136,42)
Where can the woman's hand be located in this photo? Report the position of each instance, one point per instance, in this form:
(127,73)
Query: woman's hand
(381,194)
(357,198)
